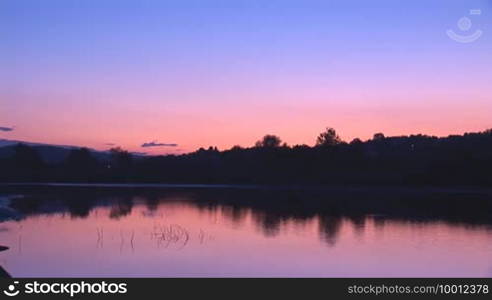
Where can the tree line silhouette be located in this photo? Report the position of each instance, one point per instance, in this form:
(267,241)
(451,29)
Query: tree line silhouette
(414,160)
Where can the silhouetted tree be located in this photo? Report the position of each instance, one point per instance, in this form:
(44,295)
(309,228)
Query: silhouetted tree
(236,148)
(269,141)
(81,164)
(328,138)
(122,163)
(378,136)
(121,158)
(356,141)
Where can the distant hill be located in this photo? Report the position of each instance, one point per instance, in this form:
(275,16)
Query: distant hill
(51,154)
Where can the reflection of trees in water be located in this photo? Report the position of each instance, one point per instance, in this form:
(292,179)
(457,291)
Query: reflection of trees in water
(359,224)
(379,222)
(79,209)
(269,224)
(151,202)
(121,208)
(234,213)
(329,228)
(270,209)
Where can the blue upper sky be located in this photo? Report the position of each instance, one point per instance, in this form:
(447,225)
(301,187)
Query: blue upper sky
(161,68)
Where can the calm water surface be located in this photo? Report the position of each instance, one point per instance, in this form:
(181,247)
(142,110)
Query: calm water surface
(202,233)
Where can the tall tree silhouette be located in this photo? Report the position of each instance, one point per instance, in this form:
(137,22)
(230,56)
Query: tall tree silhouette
(81,164)
(121,163)
(269,141)
(120,158)
(328,138)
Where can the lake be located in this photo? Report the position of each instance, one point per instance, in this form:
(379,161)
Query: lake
(220,231)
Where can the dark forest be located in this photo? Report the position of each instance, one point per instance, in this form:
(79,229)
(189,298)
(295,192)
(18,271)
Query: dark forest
(402,160)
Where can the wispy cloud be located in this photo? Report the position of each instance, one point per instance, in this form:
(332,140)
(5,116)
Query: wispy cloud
(156,144)
(6,128)
(110,144)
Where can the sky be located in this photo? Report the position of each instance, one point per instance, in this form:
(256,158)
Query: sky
(176,75)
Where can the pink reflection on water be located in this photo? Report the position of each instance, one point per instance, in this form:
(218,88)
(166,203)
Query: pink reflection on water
(180,239)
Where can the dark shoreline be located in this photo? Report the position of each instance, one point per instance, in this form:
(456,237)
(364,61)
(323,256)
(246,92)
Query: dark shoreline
(470,206)
(336,187)
(342,191)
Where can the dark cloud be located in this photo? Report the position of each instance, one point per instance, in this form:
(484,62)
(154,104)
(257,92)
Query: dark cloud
(156,144)
(6,128)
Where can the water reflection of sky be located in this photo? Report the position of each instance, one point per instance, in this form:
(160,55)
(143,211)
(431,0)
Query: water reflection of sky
(176,236)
